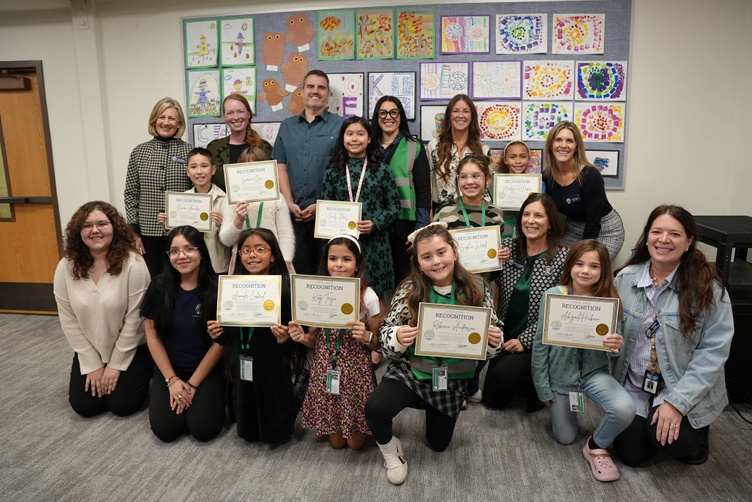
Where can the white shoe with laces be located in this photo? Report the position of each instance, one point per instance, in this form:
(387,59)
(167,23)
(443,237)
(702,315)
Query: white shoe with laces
(395,463)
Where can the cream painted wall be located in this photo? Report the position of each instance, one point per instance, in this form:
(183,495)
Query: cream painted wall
(133,54)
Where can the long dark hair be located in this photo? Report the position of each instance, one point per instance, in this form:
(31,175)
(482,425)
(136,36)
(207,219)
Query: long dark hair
(695,277)
(159,300)
(404,129)
(444,150)
(341,155)
(360,266)
(553,239)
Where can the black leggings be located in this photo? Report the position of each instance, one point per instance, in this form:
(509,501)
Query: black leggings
(508,374)
(389,398)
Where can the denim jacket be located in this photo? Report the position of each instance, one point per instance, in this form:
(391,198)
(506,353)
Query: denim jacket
(692,370)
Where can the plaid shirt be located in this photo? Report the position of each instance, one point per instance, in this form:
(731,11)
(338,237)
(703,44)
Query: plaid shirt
(155,167)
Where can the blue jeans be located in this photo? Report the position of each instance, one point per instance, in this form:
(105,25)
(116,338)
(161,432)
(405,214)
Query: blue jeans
(609,395)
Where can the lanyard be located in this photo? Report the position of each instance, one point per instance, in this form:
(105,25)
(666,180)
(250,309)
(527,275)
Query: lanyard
(579,374)
(258,220)
(360,183)
(650,332)
(333,357)
(246,345)
(433,296)
(482,214)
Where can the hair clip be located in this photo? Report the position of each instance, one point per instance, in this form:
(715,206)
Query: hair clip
(411,238)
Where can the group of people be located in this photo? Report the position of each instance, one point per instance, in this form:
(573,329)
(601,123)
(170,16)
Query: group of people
(138,303)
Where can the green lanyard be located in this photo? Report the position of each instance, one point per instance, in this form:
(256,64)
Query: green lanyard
(482,215)
(333,357)
(258,220)
(246,345)
(433,296)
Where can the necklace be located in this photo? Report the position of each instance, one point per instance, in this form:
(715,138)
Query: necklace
(653,278)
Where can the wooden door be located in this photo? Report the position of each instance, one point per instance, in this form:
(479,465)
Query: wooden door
(29,220)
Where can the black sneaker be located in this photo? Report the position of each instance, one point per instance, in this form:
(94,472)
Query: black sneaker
(703,450)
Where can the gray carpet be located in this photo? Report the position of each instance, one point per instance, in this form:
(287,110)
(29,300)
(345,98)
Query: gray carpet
(47,452)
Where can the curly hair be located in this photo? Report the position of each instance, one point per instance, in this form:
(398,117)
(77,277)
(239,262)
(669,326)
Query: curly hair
(444,150)
(123,240)
(252,138)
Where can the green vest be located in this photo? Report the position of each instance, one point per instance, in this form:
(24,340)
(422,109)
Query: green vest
(401,166)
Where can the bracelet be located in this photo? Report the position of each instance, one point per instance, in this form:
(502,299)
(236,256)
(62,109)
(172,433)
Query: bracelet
(370,338)
(194,387)
(167,380)
(173,380)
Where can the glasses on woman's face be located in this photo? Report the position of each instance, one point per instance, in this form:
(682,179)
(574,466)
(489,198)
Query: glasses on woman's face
(258,250)
(101,225)
(188,251)
(394,113)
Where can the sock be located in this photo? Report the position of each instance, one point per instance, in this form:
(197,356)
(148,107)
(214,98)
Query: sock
(389,450)
(593,445)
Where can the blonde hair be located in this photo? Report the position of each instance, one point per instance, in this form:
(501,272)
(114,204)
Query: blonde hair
(580,159)
(162,105)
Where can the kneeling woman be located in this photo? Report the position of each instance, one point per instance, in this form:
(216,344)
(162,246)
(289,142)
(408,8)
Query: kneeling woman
(436,276)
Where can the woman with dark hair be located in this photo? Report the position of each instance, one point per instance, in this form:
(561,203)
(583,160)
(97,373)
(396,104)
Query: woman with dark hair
(678,327)
(537,258)
(99,285)
(179,303)
(460,136)
(238,115)
(408,162)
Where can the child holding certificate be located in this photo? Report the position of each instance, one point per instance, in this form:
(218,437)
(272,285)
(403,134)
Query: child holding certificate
(338,410)
(436,385)
(515,160)
(564,376)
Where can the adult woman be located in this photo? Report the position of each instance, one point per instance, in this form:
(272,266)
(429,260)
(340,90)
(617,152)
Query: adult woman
(237,114)
(577,187)
(678,327)
(409,164)
(155,167)
(99,285)
(536,264)
(460,136)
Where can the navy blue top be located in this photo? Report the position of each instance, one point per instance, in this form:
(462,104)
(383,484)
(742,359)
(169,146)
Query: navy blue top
(189,345)
(586,201)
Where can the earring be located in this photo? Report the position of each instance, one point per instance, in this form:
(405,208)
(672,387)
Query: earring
(686,250)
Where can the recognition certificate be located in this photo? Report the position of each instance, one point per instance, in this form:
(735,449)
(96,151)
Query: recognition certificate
(452,331)
(511,190)
(192,209)
(325,302)
(249,300)
(336,218)
(478,247)
(251,181)
(579,321)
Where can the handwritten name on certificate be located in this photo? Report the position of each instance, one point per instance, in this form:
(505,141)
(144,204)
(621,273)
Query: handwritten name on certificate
(579,321)
(192,209)
(249,300)
(511,190)
(325,302)
(478,248)
(251,181)
(336,218)
(452,331)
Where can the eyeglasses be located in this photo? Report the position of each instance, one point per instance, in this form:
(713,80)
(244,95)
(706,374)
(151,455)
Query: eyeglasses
(394,113)
(474,176)
(101,225)
(188,251)
(258,251)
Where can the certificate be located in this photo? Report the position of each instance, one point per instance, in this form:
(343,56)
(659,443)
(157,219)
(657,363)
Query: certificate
(325,302)
(251,181)
(192,209)
(336,218)
(249,300)
(511,190)
(478,248)
(452,331)
(579,321)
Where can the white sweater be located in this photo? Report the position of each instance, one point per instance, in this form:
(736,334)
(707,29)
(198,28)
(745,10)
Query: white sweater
(218,252)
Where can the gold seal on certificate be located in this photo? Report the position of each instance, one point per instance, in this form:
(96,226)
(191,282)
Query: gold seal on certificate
(325,302)
(579,321)
(249,300)
(511,190)
(452,331)
(189,209)
(251,181)
(336,218)
(477,247)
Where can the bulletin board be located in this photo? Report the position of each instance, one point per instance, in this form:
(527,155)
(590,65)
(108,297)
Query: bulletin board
(525,65)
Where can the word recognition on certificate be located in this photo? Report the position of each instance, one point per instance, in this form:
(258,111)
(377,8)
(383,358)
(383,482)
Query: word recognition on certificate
(325,302)
(335,217)
(579,321)
(511,190)
(452,331)
(477,248)
(249,300)
(192,209)
(251,181)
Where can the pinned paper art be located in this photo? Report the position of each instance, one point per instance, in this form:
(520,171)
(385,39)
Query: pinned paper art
(431,118)
(347,97)
(499,121)
(237,42)
(401,85)
(540,117)
(201,44)
(273,50)
(272,92)
(601,80)
(600,122)
(497,79)
(578,33)
(443,80)
(240,81)
(267,130)
(415,34)
(548,80)
(294,70)
(607,161)
(299,31)
(465,34)
(203,134)
(336,37)
(295,106)
(203,93)
(521,34)
(375,34)
(536,162)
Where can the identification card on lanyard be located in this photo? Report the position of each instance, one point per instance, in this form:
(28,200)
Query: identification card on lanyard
(577,398)
(651,381)
(332,381)
(246,368)
(360,183)
(439,377)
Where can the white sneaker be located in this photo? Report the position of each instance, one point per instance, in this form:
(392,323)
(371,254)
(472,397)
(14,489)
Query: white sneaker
(396,465)
(477,397)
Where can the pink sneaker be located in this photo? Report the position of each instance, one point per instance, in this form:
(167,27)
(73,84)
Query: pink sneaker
(601,465)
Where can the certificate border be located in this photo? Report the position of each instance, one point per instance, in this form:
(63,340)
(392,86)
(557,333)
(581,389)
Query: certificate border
(581,299)
(498,176)
(441,306)
(231,200)
(250,278)
(199,195)
(302,278)
(317,232)
(481,230)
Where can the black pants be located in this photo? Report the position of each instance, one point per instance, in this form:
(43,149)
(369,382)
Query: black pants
(129,394)
(508,374)
(400,256)
(307,248)
(155,249)
(389,398)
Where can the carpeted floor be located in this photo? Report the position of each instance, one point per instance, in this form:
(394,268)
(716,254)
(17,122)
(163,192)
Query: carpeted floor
(49,453)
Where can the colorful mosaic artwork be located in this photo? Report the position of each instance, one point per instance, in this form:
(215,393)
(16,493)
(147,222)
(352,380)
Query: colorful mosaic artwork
(540,117)
(536,162)
(465,34)
(578,33)
(497,79)
(601,80)
(521,34)
(600,122)
(548,80)
(375,34)
(443,80)
(336,35)
(415,34)
(499,121)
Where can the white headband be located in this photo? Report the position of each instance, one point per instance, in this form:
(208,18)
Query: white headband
(415,234)
(346,236)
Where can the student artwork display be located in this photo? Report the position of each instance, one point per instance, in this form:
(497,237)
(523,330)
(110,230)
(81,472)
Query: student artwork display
(442,81)
(497,80)
(272,93)
(267,130)
(401,85)
(299,31)
(540,117)
(294,70)
(336,35)
(416,34)
(375,34)
(347,98)
(536,161)
(200,43)
(605,160)
(601,80)
(203,93)
(578,33)
(273,50)
(499,121)
(237,43)
(548,80)
(465,34)
(203,134)
(240,81)
(431,118)
(521,34)
(601,121)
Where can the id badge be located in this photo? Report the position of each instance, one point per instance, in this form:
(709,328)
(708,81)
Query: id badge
(246,368)
(440,377)
(650,382)
(577,402)
(332,382)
